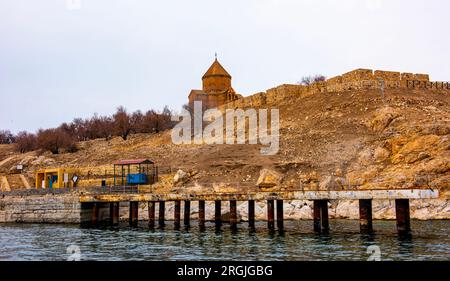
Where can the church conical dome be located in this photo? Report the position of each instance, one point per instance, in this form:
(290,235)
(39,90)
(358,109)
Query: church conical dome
(216,69)
(216,79)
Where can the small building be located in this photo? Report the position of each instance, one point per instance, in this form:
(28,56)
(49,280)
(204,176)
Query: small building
(135,172)
(56,178)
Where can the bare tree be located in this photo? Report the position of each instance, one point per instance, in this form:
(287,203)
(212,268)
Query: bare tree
(6,137)
(64,137)
(122,123)
(164,119)
(55,140)
(308,80)
(25,142)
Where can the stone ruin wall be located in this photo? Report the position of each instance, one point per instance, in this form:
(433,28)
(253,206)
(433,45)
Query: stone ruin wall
(359,79)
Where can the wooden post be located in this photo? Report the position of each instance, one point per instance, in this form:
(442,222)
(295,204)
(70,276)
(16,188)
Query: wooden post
(114,213)
(365,215)
(270,214)
(187,212)
(402,214)
(233,215)
(251,213)
(218,213)
(134,207)
(162,211)
(280,222)
(151,214)
(95,213)
(177,214)
(201,214)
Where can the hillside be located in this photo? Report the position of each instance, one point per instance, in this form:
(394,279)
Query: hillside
(349,139)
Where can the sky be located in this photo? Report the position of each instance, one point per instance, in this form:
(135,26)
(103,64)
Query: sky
(64,59)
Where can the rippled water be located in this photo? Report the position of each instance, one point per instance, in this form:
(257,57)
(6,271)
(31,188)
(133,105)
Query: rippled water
(430,241)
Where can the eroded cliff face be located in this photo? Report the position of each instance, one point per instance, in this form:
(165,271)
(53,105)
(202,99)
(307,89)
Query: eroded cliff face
(362,139)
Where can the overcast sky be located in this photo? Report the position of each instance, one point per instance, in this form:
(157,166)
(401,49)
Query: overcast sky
(59,61)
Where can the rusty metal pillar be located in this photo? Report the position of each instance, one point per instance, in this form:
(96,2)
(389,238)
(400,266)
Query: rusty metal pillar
(177,214)
(324,216)
(233,214)
(162,211)
(316,216)
(320,215)
(134,207)
(187,212)
(271,214)
(365,215)
(95,213)
(114,213)
(280,219)
(251,213)
(151,214)
(402,214)
(218,213)
(201,213)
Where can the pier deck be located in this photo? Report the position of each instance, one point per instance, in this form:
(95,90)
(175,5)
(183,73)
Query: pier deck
(263,196)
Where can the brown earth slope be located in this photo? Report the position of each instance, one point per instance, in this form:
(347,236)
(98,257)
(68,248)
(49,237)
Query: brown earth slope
(352,139)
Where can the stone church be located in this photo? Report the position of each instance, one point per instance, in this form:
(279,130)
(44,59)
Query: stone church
(216,89)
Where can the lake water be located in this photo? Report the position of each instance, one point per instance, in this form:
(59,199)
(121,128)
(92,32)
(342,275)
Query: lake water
(429,241)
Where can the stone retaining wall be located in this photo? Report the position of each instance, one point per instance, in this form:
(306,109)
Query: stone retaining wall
(359,79)
(40,209)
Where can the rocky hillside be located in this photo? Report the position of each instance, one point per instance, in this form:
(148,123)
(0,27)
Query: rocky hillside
(354,139)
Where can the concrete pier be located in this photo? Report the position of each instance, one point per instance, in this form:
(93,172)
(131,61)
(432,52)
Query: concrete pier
(151,214)
(187,213)
(95,213)
(233,214)
(320,215)
(402,215)
(251,213)
(218,213)
(365,215)
(162,212)
(280,220)
(177,214)
(114,213)
(270,214)
(201,214)
(134,209)
(92,206)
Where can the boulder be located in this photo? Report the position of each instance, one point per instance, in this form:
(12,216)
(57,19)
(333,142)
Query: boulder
(268,178)
(383,118)
(180,177)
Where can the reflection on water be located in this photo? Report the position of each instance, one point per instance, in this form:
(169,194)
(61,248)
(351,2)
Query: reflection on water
(429,241)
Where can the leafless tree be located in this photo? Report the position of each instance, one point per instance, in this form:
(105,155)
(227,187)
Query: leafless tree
(308,80)
(25,142)
(6,137)
(55,140)
(122,123)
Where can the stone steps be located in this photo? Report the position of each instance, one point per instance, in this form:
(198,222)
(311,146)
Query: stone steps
(17,181)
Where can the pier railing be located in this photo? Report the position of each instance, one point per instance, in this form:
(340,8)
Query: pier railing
(210,188)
